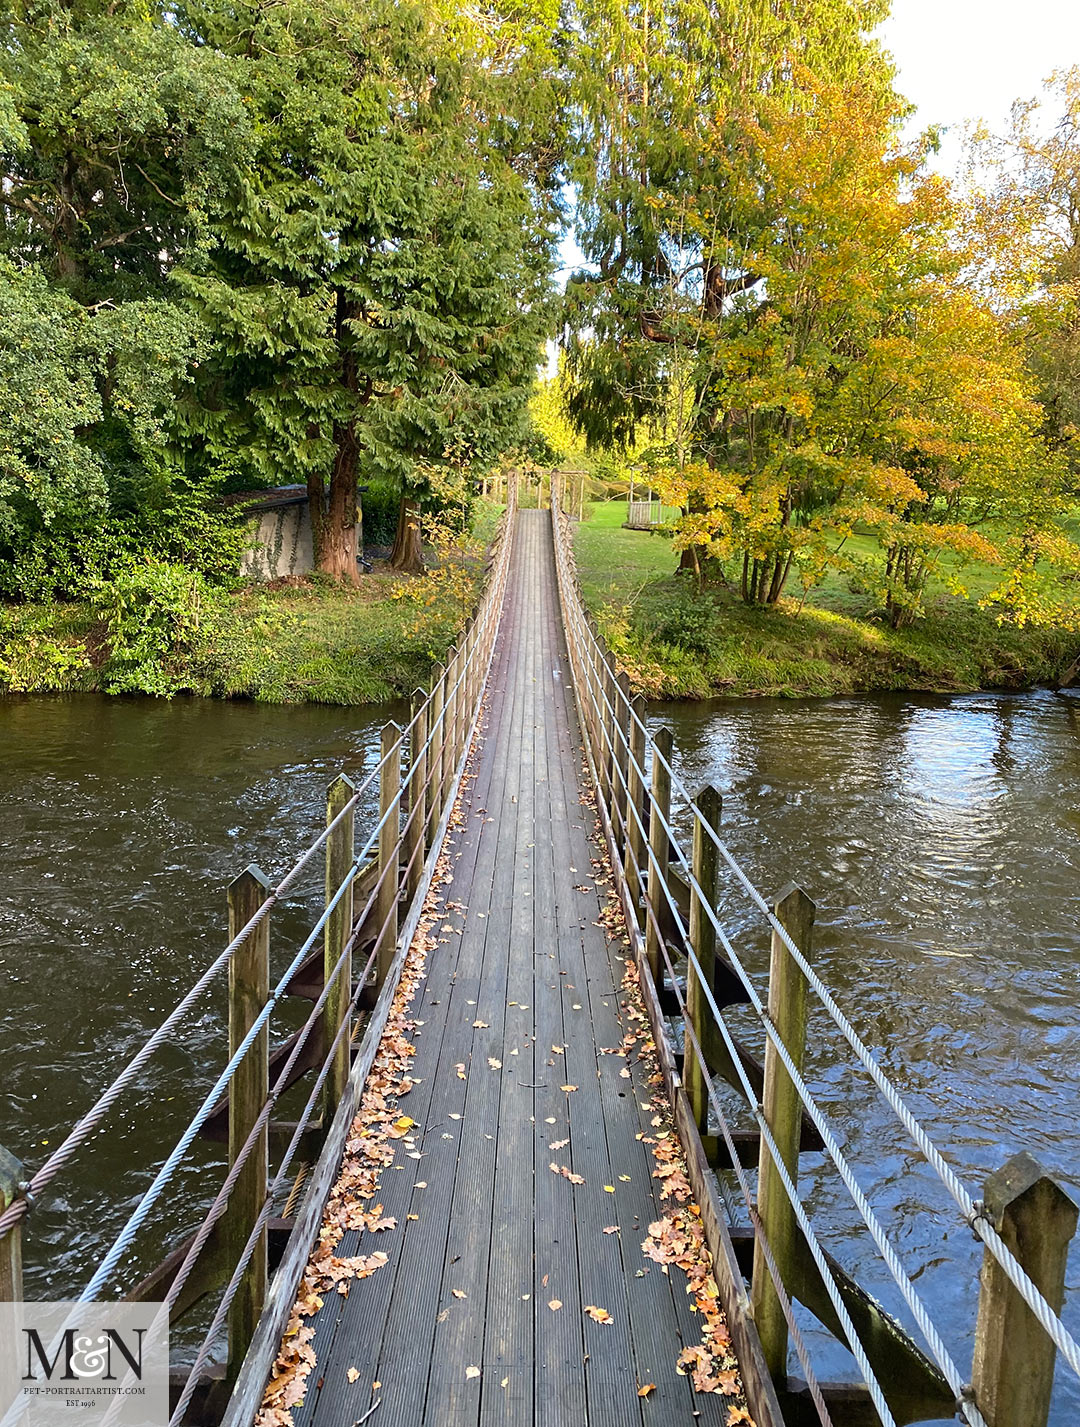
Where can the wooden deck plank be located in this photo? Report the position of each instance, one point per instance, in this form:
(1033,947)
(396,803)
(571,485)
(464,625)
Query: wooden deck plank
(527,960)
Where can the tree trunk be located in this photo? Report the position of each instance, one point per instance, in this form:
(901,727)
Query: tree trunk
(407,554)
(780,574)
(333,512)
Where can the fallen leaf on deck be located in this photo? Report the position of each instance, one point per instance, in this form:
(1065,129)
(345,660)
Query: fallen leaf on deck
(739,1414)
(458,1292)
(352,1374)
(480,1026)
(555,1304)
(494,1063)
(568,1088)
(612,1229)
(609,1189)
(472,1372)
(598,1315)
(644,1391)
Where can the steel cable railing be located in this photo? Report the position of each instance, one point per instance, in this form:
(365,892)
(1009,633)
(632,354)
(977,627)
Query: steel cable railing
(447,716)
(609,718)
(910,1294)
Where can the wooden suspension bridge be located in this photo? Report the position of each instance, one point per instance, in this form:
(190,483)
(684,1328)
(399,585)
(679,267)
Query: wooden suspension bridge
(512,1193)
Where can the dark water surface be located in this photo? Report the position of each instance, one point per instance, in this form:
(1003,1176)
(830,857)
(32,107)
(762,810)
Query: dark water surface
(121,824)
(940,839)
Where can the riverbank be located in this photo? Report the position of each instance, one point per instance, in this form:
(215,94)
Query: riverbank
(300,641)
(677,645)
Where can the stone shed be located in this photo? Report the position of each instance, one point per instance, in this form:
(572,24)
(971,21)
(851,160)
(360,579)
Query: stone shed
(280,525)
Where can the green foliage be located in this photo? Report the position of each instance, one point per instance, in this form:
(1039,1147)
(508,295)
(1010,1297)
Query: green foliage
(38,655)
(82,548)
(380,503)
(153,612)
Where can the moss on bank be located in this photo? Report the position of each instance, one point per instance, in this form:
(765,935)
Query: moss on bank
(677,644)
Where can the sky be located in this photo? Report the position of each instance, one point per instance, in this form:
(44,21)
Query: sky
(969,59)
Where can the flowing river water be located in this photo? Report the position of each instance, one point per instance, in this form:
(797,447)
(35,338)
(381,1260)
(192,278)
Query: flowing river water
(939,838)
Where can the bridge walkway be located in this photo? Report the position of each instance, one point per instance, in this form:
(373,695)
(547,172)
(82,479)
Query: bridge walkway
(521,995)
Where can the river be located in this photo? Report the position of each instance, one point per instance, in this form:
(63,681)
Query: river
(939,838)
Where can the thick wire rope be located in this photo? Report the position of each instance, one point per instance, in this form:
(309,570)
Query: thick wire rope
(922,1317)
(175,1158)
(90,1121)
(972,1209)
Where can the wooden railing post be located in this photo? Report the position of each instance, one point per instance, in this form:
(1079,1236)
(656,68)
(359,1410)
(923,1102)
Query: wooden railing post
(705,863)
(340,851)
(437,734)
(1013,1371)
(621,762)
(636,868)
(659,815)
(472,678)
(592,694)
(606,756)
(416,827)
(450,703)
(249,987)
(386,904)
(11,1279)
(782,1109)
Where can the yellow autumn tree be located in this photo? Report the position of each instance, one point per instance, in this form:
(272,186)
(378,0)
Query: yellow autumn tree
(856,379)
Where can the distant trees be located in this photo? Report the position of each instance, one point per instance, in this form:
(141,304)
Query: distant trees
(784,301)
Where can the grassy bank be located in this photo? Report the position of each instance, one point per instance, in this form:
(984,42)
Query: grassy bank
(302,641)
(675,644)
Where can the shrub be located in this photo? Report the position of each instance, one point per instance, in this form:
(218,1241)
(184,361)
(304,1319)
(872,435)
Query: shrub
(153,611)
(688,624)
(379,504)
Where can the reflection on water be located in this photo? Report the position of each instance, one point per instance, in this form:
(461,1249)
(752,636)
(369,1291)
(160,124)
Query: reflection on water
(939,839)
(122,824)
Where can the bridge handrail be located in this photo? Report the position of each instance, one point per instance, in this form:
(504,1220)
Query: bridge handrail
(445,716)
(609,717)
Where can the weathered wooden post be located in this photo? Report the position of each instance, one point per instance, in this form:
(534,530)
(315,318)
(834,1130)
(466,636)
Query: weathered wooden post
(1013,1371)
(621,762)
(437,733)
(417,824)
(339,860)
(608,734)
(705,863)
(659,846)
(249,987)
(636,869)
(11,1280)
(783,1114)
(450,703)
(386,903)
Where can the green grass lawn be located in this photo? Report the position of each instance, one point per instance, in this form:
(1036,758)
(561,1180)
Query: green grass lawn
(304,641)
(677,644)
